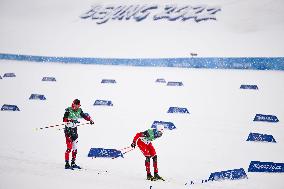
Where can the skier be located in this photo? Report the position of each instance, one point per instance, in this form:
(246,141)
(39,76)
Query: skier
(71,116)
(143,140)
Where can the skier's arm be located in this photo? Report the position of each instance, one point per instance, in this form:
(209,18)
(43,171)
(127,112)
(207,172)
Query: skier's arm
(65,117)
(86,117)
(138,135)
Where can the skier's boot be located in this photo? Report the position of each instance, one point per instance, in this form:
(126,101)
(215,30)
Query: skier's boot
(157,177)
(149,176)
(74,166)
(67,165)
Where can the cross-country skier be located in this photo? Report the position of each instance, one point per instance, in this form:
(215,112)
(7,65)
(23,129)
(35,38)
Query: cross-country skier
(71,116)
(143,140)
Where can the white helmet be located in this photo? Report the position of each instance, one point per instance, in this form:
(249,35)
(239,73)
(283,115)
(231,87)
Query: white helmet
(161,128)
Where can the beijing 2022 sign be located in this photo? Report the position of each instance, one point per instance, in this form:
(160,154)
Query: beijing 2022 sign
(102,14)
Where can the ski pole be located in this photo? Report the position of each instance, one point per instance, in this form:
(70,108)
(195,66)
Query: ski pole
(124,152)
(125,148)
(77,125)
(128,150)
(47,127)
(51,126)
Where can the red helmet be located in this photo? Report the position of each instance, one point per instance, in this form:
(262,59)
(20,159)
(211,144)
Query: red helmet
(76,104)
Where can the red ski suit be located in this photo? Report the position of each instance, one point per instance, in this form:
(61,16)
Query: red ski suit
(146,147)
(143,140)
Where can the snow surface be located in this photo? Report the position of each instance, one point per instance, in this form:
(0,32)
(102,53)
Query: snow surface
(211,138)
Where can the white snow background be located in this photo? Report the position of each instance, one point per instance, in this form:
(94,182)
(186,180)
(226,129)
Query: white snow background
(211,138)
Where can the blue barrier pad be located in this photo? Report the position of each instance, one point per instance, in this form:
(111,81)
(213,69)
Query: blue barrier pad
(37,97)
(254,63)
(104,153)
(103,103)
(9,75)
(0,77)
(270,167)
(234,174)
(48,79)
(260,137)
(173,83)
(160,80)
(178,110)
(249,87)
(266,118)
(167,125)
(108,81)
(7,107)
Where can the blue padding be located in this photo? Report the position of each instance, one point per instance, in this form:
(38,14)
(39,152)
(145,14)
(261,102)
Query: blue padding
(0,77)
(104,153)
(252,63)
(9,75)
(37,97)
(108,81)
(7,107)
(266,118)
(270,167)
(167,125)
(103,103)
(174,83)
(178,110)
(249,87)
(234,174)
(260,137)
(48,79)
(160,80)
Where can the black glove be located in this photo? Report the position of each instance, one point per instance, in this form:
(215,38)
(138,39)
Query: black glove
(133,144)
(91,122)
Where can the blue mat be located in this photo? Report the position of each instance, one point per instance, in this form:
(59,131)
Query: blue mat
(269,167)
(37,97)
(104,153)
(266,118)
(260,137)
(48,79)
(7,107)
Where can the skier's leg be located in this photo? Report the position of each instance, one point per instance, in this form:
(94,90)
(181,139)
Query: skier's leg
(69,147)
(74,153)
(74,149)
(155,164)
(153,154)
(144,149)
(68,150)
(147,164)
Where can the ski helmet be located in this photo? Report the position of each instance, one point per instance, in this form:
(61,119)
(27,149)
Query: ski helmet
(161,128)
(159,131)
(76,104)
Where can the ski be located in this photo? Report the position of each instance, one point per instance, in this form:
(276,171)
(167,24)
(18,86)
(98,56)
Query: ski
(157,179)
(76,167)
(84,169)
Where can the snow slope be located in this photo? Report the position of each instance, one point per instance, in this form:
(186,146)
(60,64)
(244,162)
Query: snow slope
(211,138)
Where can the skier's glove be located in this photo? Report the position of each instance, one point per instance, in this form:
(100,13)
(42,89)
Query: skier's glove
(133,145)
(91,122)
